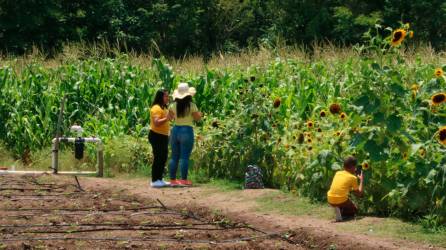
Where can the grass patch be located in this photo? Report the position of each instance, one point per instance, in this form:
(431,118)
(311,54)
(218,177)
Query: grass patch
(225,185)
(290,204)
(394,228)
(6,159)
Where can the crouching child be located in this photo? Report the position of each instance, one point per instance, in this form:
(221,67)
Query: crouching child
(344,182)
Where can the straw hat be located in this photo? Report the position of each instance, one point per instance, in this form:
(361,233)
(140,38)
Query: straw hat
(183,90)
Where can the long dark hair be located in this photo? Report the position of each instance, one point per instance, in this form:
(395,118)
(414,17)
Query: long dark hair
(183,106)
(159,98)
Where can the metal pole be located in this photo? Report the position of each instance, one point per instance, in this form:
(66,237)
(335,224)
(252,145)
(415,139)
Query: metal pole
(55,153)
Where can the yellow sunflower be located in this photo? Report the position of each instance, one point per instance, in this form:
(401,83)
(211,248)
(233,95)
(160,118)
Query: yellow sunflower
(422,152)
(323,113)
(439,72)
(343,115)
(405,155)
(365,165)
(310,124)
(442,135)
(398,37)
(438,98)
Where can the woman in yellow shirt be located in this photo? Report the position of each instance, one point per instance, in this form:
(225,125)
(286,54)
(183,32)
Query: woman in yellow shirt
(159,136)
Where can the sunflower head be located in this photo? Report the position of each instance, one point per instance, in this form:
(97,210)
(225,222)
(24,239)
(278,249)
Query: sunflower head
(310,124)
(343,115)
(398,37)
(338,133)
(439,72)
(323,113)
(422,152)
(319,130)
(442,135)
(438,98)
(309,140)
(405,155)
(335,108)
(310,148)
(365,165)
(276,103)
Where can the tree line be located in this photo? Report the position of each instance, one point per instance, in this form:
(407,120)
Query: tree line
(181,27)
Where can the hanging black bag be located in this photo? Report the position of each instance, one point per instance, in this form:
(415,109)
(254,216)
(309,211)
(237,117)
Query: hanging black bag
(79,148)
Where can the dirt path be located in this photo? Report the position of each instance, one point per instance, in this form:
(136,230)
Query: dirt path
(241,205)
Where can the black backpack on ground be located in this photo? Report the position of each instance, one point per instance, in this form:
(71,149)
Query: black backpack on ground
(253,177)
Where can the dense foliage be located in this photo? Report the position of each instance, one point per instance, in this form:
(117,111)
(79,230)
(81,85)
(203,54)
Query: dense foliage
(293,118)
(203,27)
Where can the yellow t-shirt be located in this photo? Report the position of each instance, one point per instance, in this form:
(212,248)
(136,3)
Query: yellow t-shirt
(187,120)
(343,183)
(157,111)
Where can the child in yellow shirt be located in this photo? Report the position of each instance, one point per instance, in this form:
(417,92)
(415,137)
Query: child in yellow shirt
(343,183)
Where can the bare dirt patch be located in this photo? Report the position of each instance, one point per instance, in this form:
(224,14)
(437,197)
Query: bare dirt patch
(240,205)
(54,212)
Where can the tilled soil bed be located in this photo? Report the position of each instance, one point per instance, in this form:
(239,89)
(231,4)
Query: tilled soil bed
(47,212)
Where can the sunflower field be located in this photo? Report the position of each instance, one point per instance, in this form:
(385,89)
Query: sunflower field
(296,119)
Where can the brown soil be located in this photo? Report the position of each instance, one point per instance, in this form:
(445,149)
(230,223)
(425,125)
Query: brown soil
(120,214)
(55,213)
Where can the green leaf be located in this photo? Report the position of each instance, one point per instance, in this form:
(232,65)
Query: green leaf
(394,123)
(357,140)
(362,101)
(375,150)
(397,89)
(378,118)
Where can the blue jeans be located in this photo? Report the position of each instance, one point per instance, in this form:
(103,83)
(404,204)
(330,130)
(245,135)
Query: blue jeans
(181,144)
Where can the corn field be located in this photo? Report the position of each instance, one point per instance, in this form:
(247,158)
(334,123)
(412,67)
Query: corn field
(296,119)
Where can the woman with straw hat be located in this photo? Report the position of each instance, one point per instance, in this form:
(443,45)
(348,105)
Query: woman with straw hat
(182,134)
